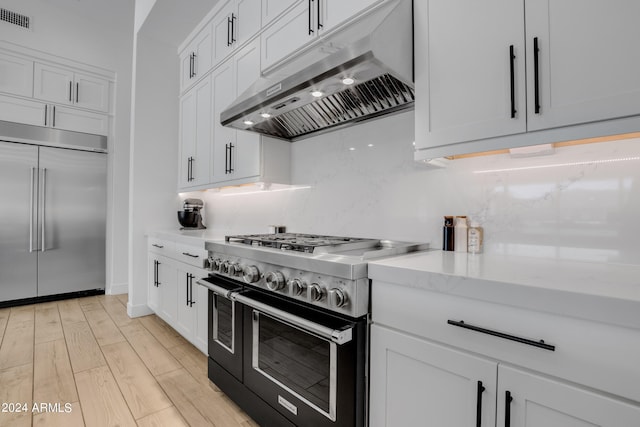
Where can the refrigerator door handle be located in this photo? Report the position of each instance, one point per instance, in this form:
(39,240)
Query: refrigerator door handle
(31,194)
(44,200)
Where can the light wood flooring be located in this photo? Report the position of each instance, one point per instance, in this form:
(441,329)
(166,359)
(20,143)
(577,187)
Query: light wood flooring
(84,362)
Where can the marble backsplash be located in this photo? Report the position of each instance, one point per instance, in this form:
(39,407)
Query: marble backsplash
(580,203)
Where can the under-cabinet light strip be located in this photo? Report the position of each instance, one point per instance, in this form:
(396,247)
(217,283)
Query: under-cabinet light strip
(556,165)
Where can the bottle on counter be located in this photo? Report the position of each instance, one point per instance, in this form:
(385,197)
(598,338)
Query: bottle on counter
(460,232)
(448,234)
(475,236)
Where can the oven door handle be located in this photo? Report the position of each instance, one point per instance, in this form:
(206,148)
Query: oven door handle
(215,288)
(338,336)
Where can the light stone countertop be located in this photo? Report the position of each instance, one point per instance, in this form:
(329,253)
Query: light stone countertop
(188,237)
(607,293)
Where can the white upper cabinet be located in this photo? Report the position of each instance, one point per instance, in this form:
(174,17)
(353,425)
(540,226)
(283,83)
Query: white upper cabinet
(195,135)
(463,70)
(65,86)
(302,23)
(292,31)
(503,68)
(271,9)
(16,75)
(588,61)
(197,58)
(25,111)
(78,120)
(334,12)
(234,24)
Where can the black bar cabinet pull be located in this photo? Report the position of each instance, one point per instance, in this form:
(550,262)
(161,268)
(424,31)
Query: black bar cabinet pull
(193,61)
(45,114)
(70,88)
(481,390)
(536,77)
(512,58)
(540,343)
(507,408)
(310,27)
(233,28)
(191,301)
(155,245)
(228,30)
(231,157)
(187,289)
(190,255)
(77,91)
(226,159)
(53,121)
(318,17)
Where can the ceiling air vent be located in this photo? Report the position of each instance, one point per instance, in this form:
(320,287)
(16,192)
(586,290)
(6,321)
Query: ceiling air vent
(14,18)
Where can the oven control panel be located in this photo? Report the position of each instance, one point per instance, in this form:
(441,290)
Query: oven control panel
(349,297)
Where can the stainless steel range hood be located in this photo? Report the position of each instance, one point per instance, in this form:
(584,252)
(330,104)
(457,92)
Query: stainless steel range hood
(376,53)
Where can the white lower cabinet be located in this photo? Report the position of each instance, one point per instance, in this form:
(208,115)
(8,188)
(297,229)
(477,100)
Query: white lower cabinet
(419,382)
(536,401)
(172,291)
(415,382)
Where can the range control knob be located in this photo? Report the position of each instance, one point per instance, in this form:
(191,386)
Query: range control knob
(215,264)
(316,292)
(224,267)
(297,287)
(275,280)
(251,274)
(337,298)
(235,269)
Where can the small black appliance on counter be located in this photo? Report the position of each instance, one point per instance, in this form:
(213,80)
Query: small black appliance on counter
(190,217)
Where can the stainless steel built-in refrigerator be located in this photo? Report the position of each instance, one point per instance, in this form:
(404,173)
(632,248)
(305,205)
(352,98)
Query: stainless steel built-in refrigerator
(52,212)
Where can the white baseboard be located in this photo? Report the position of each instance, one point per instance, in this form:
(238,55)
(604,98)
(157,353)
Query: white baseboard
(138,310)
(117,289)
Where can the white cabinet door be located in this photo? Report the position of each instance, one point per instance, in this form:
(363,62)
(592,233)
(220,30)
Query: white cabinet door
(248,22)
(187,137)
(415,382)
(195,135)
(79,120)
(271,9)
(588,61)
(463,70)
(245,157)
(223,37)
(542,402)
(202,318)
(292,31)
(23,111)
(53,84)
(223,85)
(16,75)
(91,92)
(186,313)
(334,12)
(197,58)
(168,284)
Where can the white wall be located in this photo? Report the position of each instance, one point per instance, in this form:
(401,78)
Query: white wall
(586,211)
(56,31)
(154,154)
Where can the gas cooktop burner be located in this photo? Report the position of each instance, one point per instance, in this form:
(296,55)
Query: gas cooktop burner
(308,243)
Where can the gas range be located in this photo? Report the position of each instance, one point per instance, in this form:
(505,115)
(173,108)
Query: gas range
(329,272)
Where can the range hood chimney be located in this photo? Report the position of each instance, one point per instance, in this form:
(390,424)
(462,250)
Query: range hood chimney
(359,72)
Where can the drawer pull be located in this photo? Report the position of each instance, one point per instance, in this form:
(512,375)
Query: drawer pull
(540,343)
(507,408)
(481,390)
(190,255)
(157,246)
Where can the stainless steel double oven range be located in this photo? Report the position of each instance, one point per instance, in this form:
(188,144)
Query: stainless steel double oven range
(288,325)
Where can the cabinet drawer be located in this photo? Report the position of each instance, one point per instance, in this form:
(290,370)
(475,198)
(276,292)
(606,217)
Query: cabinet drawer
(594,354)
(192,255)
(161,247)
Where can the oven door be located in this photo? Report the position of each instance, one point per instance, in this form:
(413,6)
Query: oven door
(225,323)
(306,364)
